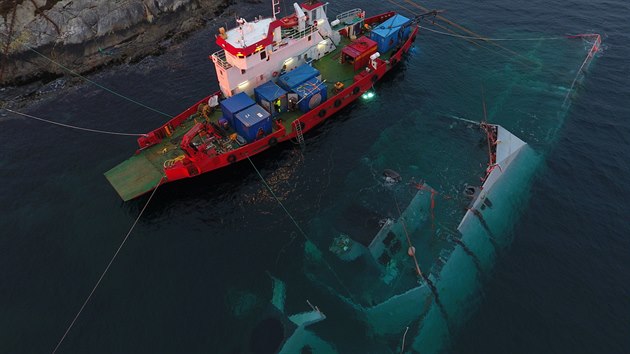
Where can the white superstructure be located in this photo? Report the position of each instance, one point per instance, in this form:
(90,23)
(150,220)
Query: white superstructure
(257,51)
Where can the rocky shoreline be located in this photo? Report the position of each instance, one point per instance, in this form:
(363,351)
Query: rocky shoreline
(84,35)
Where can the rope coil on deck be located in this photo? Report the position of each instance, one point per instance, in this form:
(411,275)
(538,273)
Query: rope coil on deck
(170,162)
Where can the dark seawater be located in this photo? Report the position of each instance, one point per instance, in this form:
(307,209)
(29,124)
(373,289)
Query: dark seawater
(206,244)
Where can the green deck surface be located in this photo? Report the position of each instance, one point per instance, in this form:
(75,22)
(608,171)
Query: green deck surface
(332,70)
(141,173)
(134,177)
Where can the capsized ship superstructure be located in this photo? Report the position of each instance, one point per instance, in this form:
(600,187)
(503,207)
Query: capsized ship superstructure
(391,269)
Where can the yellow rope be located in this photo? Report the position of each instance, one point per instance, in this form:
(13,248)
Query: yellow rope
(170,162)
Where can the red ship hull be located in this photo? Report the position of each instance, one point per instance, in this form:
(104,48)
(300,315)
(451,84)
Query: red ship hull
(196,164)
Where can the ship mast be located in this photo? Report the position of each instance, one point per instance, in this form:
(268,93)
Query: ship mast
(275,7)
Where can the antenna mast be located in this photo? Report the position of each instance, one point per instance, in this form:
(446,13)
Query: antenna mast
(275,6)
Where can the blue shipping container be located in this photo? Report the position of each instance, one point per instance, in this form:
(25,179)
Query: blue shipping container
(232,105)
(298,76)
(268,94)
(311,94)
(253,123)
(391,32)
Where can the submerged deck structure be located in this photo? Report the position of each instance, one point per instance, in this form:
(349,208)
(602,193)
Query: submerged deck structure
(390,269)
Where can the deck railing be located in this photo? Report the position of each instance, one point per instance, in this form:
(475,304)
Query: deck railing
(295,34)
(349,14)
(219,57)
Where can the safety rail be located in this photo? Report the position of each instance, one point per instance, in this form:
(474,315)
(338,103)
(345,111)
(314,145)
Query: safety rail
(220,58)
(295,34)
(349,14)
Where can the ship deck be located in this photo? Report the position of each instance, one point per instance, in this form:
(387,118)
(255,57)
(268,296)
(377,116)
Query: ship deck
(332,70)
(142,172)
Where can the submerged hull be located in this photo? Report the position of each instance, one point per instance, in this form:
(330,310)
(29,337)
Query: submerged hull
(159,160)
(390,295)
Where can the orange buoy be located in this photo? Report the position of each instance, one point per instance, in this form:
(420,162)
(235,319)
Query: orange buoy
(411,251)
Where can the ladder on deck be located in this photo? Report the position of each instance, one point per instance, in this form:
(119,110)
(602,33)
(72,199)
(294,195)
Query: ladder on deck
(297,125)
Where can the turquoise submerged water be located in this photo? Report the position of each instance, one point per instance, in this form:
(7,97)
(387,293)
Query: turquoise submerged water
(194,276)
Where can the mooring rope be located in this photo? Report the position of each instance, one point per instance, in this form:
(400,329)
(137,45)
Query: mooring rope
(412,250)
(72,126)
(493,39)
(412,253)
(442,18)
(107,268)
(91,81)
(97,84)
(591,53)
(276,197)
(402,347)
(298,226)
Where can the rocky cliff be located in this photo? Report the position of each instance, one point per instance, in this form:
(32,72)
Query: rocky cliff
(85,34)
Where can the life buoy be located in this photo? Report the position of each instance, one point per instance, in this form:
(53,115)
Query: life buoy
(337,103)
(273,141)
(322,113)
(231,158)
(356,90)
(274,74)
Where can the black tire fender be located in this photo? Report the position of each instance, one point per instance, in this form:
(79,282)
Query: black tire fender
(273,141)
(356,90)
(322,113)
(337,103)
(231,158)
